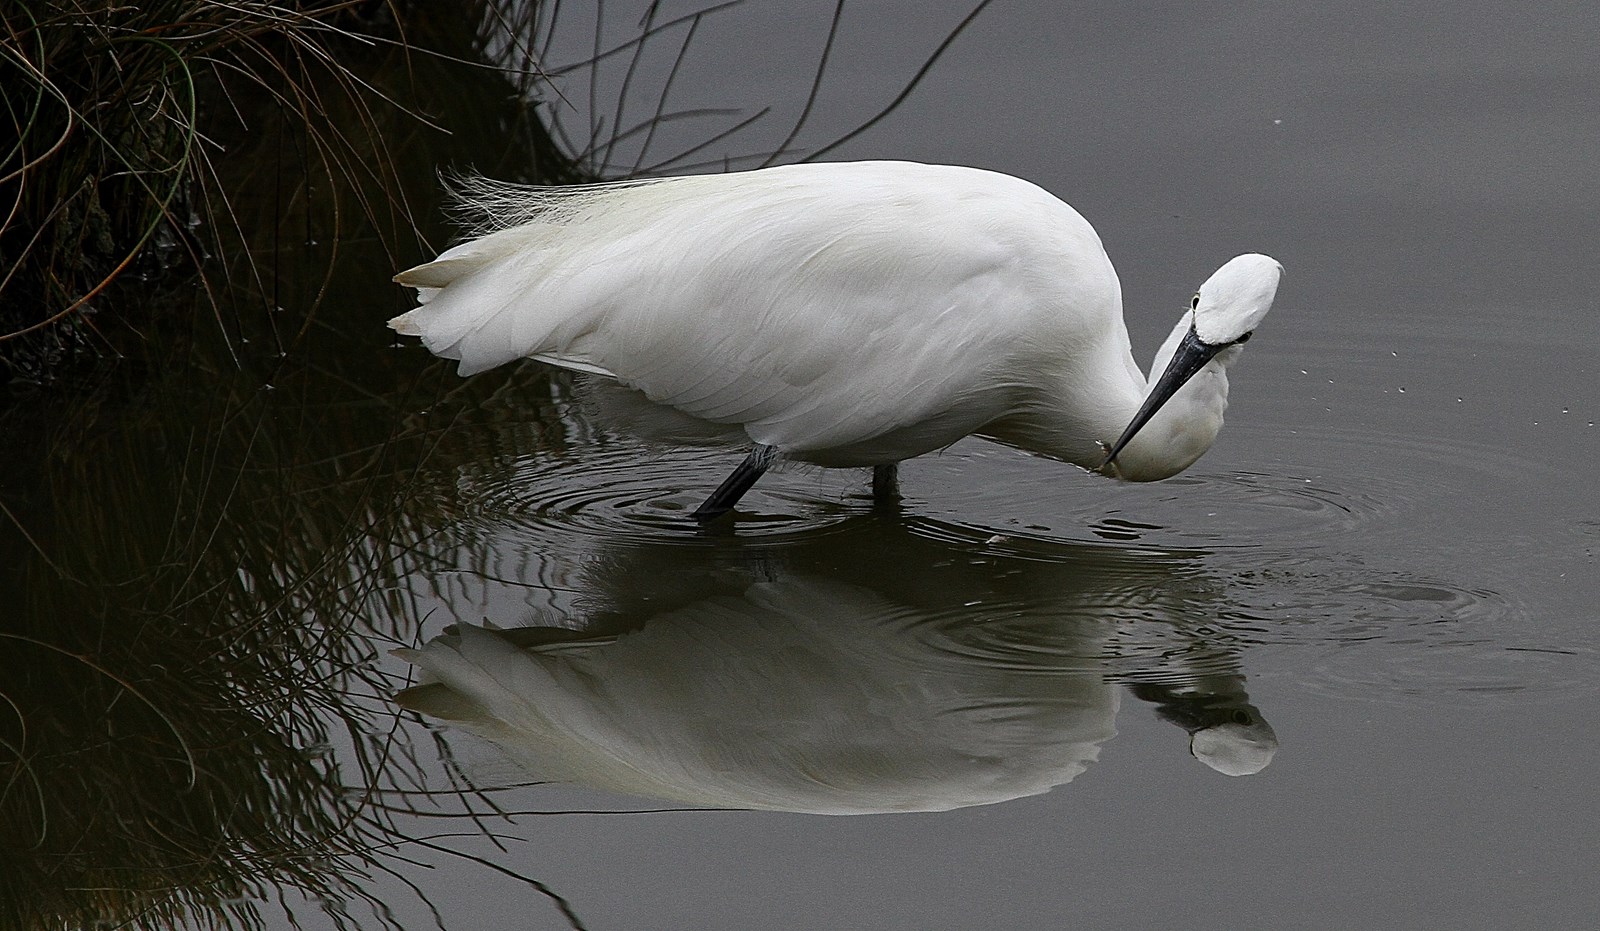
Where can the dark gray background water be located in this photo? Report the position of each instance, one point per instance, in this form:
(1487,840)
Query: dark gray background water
(1392,547)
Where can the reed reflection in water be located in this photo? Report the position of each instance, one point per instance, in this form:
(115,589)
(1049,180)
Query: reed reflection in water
(876,669)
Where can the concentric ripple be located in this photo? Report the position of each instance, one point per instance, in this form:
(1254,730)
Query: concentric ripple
(1326,562)
(1342,484)
(1356,629)
(622,492)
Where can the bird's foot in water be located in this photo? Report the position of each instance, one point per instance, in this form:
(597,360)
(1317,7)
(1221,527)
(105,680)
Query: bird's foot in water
(886,486)
(735,485)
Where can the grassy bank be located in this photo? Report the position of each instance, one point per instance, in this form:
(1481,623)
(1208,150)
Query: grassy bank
(180,143)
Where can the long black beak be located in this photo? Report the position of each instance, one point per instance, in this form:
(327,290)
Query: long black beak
(1192,355)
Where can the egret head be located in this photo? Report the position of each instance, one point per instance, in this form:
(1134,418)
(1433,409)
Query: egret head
(1233,301)
(1235,749)
(1224,312)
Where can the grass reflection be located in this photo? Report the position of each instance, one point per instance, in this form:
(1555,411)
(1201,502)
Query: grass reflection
(195,541)
(191,715)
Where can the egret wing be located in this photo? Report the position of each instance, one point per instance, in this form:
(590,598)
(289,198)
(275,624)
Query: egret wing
(818,306)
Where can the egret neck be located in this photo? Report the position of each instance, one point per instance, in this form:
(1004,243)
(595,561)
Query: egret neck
(1163,437)
(1124,411)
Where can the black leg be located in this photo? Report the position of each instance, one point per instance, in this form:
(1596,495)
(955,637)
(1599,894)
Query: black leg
(886,483)
(734,486)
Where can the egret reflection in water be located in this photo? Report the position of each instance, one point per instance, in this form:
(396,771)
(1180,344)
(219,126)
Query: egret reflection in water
(813,678)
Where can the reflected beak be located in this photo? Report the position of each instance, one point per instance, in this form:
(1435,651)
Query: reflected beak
(1192,356)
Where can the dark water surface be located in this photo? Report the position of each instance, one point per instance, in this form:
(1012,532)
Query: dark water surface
(1378,589)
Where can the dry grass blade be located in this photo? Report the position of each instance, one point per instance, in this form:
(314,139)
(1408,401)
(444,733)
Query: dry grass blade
(122,112)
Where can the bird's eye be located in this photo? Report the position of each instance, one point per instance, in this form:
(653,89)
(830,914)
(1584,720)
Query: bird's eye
(1194,303)
(1245,338)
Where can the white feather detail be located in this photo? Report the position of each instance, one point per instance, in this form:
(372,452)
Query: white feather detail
(764,299)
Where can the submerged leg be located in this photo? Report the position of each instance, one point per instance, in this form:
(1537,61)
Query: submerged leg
(734,486)
(886,483)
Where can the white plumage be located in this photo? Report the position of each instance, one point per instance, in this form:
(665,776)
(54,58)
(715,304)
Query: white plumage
(847,314)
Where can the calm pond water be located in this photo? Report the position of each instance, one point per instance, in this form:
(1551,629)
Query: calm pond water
(1024,685)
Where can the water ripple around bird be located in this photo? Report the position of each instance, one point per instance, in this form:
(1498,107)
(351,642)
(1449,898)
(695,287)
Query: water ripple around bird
(1294,557)
(1356,629)
(620,492)
(1011,496)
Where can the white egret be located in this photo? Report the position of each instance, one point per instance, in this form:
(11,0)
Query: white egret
(843,314)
